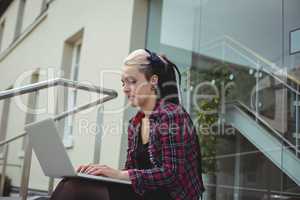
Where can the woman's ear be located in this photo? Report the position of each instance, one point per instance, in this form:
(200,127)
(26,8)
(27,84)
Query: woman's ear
(154,80)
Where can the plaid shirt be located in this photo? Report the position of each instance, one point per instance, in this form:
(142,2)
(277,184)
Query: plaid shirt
(174,152)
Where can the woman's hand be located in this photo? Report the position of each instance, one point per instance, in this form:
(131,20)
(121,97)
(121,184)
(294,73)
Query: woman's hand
(103,170)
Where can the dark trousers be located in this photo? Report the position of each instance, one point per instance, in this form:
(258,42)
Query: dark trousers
(86,189)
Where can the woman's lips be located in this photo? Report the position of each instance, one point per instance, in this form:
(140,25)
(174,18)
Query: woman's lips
(131,97)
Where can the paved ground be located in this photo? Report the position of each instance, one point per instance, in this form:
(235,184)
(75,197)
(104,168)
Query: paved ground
(18,198)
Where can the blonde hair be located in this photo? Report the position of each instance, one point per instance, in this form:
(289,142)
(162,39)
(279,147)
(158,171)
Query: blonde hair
(137,57)
(149,64)
(140,57)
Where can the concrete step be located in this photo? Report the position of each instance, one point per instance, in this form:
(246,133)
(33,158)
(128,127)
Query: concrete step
(19,198)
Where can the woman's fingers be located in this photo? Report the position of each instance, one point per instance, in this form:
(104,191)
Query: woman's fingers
(98,172)
(94,169)
(79,168)
(89,169)
(83,168)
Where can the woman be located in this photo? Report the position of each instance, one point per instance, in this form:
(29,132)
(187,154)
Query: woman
(163,157)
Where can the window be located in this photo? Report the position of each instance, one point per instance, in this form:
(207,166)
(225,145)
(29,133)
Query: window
(32,11)
(20,17)
(74,63)
(2,25)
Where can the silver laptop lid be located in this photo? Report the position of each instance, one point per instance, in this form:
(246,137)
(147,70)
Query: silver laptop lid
(49,149)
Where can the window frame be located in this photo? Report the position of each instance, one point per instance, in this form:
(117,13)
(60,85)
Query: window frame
(20,19)
(68,128)
(290,41)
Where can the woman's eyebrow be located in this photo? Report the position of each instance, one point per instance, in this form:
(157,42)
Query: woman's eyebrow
(128,77)
(131,77)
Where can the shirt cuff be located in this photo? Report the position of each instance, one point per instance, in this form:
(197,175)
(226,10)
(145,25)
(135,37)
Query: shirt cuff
(135,177)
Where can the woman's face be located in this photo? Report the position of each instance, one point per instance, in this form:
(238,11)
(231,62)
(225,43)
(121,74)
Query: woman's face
(135,86)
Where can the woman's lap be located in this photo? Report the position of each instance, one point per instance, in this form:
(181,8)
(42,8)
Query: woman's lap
(85,189)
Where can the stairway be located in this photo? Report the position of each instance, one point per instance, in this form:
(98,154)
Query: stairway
(265,140)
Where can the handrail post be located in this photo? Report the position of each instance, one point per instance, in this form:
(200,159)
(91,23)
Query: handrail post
(26,171)
(3,175)
(99,135)
(30,117)
(297,121)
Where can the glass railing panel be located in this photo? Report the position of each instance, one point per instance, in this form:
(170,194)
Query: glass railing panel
(269,101)
(277,107)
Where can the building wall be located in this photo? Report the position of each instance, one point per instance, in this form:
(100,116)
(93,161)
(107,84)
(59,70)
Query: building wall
(106,28)
(10,18)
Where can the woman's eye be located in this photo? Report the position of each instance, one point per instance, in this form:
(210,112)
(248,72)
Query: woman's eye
(132,81)
(128,82)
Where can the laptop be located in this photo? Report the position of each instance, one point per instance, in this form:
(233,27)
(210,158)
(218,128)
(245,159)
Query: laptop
(51,154)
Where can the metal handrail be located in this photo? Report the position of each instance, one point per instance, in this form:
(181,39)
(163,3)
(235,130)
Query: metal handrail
(282,82)
(13,139)
(269,63)
(264,122)
(226,39)
(111,94)
(57,82)
(59,117)
(242,46)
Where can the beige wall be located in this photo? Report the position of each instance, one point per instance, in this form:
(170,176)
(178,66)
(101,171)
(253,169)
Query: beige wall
(106,41)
